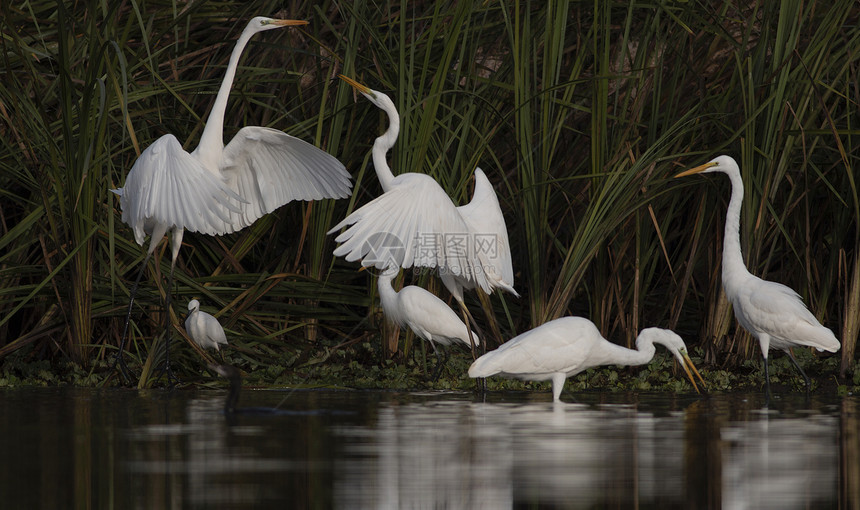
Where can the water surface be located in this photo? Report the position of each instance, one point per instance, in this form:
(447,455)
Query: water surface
(130,449)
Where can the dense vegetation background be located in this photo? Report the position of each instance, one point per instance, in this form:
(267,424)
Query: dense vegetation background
(579,112)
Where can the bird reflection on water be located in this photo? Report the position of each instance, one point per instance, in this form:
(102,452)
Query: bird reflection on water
(234,376)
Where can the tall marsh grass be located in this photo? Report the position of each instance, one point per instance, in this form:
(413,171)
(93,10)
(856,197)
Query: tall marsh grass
(579,112)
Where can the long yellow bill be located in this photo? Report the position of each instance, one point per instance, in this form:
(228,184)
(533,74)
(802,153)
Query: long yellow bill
(358,86)
(688,366)
(700,168)
(287,22)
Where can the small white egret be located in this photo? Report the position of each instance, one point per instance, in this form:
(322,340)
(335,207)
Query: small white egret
(566,346)
(415,223)
(217,190)
(422,312)
(203,328)
(770,311)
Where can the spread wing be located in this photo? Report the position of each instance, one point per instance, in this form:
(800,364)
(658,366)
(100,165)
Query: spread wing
(413,224)
(168,186)
(489,234)
(269,168)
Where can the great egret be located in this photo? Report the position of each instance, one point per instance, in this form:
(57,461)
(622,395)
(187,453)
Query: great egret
(566,346)
(415,223)
(203,328)
(770,311)
(215,189)
(425,314)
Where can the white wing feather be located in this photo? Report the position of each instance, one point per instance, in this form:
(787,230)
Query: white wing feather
(167,186)
(489,234)
(561,345)
(422,218)
(269,168)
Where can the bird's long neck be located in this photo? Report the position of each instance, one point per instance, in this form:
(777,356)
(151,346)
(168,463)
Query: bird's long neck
(388,296)
(643,353)
(212,140)
(733,259)
(382,145)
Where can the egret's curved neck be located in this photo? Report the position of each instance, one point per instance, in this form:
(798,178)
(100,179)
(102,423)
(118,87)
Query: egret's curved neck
(382,145)
(388,296)
(212,140)
(643,353)
(733,259)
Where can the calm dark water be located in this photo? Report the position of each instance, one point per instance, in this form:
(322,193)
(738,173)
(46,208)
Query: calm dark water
(127,449)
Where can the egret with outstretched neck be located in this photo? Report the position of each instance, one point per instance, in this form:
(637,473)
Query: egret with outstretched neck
(773,313)
(217,190)
(564,347)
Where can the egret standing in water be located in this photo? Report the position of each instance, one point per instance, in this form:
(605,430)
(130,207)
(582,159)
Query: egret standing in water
(468,245)
(564,347)
(425,314)
(217,190)
(770,311)
(204,329)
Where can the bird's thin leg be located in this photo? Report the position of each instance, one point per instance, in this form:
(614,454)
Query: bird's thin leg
(471,323)
(175,244)
(171,379)
(467,318)
(484,298)
(118,358)
(558,380)
(438,370)
(805,377)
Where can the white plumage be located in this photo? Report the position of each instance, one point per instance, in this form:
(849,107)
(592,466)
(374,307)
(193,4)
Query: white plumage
(203,328)
(215,189)
(422,312)
(773,313)
(433,231)
(566,346)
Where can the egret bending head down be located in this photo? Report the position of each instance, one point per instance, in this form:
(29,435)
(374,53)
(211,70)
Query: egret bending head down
(564,347)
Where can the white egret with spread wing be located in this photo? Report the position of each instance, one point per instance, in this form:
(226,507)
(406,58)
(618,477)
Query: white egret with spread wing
(415,223)
(773,313)
(564,347)
(215,189)
(424,313)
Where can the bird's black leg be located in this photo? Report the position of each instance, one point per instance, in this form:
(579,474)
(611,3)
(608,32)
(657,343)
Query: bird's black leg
(118,360)
(805,377)
(439,363)
(171,379)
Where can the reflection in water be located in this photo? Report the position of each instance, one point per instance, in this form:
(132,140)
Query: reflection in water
(467,455)
(768,462)
(350,449)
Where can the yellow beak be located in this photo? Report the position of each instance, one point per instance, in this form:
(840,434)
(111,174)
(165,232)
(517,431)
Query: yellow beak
(287,22)
(700,168)
(357,86)
(688,367)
